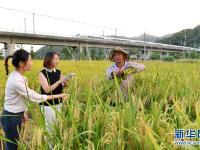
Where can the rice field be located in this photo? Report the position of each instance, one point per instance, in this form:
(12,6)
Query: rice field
(165,97)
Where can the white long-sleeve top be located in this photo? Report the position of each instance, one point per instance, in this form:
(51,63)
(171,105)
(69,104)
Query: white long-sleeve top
(17,93)
(113,67)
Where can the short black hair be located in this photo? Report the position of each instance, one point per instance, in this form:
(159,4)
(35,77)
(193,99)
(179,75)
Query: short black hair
(48,58)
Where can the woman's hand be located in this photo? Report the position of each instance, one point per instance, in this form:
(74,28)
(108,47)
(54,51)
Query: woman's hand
(64,95)
(65,83)
(62,79)
(50,97)
(25,117)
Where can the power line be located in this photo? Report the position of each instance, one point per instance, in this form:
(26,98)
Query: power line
(57,18)
(74,21)
(16,10)
(33,23)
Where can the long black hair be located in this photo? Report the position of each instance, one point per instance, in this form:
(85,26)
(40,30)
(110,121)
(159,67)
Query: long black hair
(19,55)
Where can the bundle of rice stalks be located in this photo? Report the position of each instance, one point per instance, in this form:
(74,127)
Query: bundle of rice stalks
(104,89)
(107,87)
(129,71)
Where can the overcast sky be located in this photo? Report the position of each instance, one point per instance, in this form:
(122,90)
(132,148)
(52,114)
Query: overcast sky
(130,17)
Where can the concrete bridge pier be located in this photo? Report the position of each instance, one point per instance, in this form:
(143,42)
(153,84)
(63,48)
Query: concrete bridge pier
(148,54)
(106,52)
(9,48)
(80,51)
(83,51)
(87,52)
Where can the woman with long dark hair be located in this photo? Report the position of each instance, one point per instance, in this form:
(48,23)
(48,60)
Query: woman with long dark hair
(17,93)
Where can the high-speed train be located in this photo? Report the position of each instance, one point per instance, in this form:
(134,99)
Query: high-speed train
(138,42)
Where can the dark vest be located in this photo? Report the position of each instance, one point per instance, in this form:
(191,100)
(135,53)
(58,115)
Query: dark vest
(52,77)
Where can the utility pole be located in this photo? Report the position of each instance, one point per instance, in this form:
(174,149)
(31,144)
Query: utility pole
(33,23)
(194,44)
(145,52)
(32,48)
(185,44)
(115,32)
(24,25)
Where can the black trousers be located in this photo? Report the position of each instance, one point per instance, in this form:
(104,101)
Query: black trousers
(11,123)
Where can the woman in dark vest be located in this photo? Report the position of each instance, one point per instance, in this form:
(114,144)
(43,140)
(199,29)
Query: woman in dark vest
(51,82)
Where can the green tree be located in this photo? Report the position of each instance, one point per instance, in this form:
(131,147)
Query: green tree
(101,54)
(1,54)
(155,56)
(192,40)
(32,53)
(168,58)
(179,56)
(68,53)
(93,53)
(50,48)
(194,55)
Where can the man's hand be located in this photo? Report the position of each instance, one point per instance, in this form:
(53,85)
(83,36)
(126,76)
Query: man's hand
(119,74)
